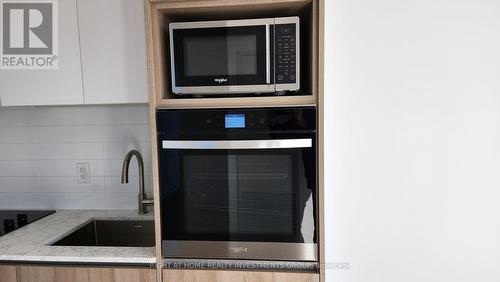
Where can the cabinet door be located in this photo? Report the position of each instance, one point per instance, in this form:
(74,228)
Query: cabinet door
(84,274)
(62,86)
(7,273)
(113,43)
(170,275)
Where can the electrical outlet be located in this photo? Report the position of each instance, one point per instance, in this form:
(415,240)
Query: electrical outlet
(83,173)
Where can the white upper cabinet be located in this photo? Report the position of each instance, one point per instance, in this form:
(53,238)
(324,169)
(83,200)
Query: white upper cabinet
(113,47)
(61,86)
(102,59)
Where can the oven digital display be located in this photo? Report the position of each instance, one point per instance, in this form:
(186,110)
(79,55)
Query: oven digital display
(235,121)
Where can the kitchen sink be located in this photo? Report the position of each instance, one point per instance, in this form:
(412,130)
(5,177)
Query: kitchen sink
(111,233)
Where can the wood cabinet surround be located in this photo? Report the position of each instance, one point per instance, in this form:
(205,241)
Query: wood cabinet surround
(82,274)
(158,14)
(34,273)
(8,273)
(177,275)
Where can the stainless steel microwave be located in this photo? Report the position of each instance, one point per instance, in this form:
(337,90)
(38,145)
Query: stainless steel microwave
(235,56)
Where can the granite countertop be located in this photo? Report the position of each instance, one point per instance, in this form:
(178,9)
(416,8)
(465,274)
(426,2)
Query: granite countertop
(31,243)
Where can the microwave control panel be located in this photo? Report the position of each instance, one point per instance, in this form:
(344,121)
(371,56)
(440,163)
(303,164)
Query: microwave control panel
(285,64)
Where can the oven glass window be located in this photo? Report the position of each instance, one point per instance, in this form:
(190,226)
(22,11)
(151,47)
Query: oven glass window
(220,55)
(231,195)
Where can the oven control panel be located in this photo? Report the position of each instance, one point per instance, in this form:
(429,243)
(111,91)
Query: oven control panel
(213,121)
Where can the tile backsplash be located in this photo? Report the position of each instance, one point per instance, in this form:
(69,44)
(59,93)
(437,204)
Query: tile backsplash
(41,146)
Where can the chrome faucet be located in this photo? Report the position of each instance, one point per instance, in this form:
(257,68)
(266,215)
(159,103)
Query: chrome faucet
(142,201)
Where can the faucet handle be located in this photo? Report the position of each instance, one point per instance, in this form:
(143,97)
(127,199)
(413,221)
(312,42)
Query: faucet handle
(144,203)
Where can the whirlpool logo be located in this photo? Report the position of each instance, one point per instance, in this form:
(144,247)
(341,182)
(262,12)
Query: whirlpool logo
(220,80)
(238,250)
(29,34)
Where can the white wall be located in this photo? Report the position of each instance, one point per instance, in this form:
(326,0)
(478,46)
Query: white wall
(413,140)
(39,149)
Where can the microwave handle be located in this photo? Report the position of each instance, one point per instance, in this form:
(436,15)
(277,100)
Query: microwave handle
(237,144)
(268,56)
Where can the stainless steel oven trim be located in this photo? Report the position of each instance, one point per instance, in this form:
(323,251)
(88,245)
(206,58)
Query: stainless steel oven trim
(237,144)
(230,89)
(240,250)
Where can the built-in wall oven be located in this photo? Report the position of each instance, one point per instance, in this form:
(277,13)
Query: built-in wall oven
(238,183)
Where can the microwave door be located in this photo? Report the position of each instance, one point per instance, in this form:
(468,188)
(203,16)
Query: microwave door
(221,59)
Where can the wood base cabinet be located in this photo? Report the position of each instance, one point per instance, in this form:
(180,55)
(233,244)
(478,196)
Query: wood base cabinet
(178,275)
(83,274)
(7,273)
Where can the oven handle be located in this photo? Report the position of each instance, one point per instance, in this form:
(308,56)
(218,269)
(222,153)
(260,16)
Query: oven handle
(237,144)
(268,57)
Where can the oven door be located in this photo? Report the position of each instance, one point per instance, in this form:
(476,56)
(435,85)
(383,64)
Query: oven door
(245,199)
(221,57)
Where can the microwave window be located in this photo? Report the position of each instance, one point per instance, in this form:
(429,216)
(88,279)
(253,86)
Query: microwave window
(220,55)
